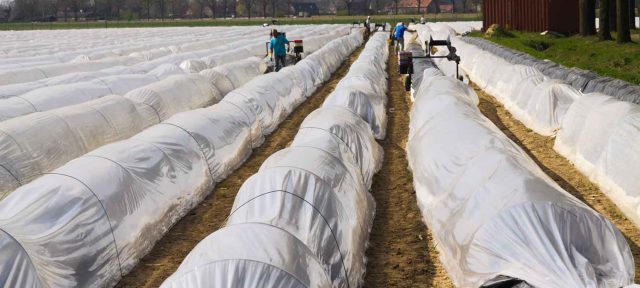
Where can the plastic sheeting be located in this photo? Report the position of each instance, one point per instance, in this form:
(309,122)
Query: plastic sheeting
(38,143)
(582,80)
(493,211)
(600,135)
(307,212)
(536,100)
(88,227)
(364,88)
(314,193)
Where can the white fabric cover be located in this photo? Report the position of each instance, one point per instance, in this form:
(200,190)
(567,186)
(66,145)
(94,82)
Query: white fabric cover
(90,221)
(75,130)
(315,192)
(364,88)
(494,212)
(537,101)
(600,135)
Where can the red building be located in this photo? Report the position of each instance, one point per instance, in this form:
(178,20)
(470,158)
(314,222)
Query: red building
(533,15)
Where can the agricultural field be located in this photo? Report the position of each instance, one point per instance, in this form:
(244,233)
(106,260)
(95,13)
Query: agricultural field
(178,157)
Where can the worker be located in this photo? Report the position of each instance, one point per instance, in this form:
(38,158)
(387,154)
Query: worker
(278,50)
(367,27)
(398,32)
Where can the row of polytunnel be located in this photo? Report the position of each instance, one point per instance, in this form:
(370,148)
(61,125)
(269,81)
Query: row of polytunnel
(583,80)
(76,118)
(594,119)
(304,219)
(596,131)
(89,221)
(493,211)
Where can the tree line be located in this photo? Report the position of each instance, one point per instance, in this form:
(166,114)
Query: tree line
(613,15)
(67,10)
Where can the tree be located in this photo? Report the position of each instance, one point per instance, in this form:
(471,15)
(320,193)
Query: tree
(613,13)
(632,14)
(274,3)
(264,4)
(161,6)
(605,30)
(587,18)
(348,3)
(147,6)
(624,32)
(248,5)
(212,5)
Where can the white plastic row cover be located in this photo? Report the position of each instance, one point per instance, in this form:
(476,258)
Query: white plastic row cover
(600,136)
(596,132)
(304,219)
(364,88)
(28,74)
(493,211)
(238,46)
(90,221)
(532,98)
(62,46)
(38,143)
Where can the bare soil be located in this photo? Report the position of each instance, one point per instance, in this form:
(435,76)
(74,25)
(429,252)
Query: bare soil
(401,249)
(210,215)
(540,148)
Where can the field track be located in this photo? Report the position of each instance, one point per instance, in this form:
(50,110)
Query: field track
(401,249)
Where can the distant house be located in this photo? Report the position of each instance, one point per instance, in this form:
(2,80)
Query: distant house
(305,9)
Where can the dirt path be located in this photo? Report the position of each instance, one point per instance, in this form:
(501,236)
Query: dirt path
(540,148)
(401,251)
(207,217)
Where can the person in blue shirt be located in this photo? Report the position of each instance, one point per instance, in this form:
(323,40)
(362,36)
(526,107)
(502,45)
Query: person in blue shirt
(278,50)
(398,33)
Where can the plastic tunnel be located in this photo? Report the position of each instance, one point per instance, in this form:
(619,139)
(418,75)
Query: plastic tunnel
(307,210)
(75,130)
(87,227)
(493,211)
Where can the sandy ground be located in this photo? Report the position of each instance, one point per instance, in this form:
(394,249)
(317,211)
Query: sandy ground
(209,216)
(540,148)
(401,250)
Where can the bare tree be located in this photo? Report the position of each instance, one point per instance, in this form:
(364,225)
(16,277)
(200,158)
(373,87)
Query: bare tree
(624,33)
(274,4)
(248,5)
(161,7)
(349,4)
(264,4)
(147,6)
(212,4)
(605,30)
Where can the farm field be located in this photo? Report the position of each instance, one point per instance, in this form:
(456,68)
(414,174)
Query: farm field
(177,157)
(256,21)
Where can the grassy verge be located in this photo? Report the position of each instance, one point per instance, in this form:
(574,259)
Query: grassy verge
(228,22)
(607,58)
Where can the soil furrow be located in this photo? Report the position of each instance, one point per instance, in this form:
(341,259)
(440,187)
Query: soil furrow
(209,215)
(401,249)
